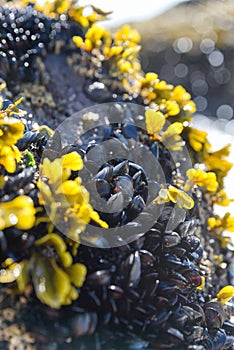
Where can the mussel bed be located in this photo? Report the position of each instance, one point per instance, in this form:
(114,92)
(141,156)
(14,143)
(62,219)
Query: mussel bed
(143,293)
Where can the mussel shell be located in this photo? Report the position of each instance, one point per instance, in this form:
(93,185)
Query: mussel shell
(197,334)
(83,324)
(161,319)
(173,262)
(147,258)
(103,188)
(180,321)
(116,202)
(216,339)
(214,314)
(129,131)
(99,278)
(116,147)
(194,278)
(28,138)
(149,284)
(131,269)
(194,316)
(193,242)
(121,168)
(174,335)
(178,279)
(115,292)
(91,166)
(136,206)
(171,239)
(105,174)
(18,241)
(124,184)
(155,150)
(135,168)
(121,138)
(96,153)
(229,327)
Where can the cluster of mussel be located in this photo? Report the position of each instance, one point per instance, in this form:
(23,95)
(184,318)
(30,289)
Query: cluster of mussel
(147,287)
(149,284)
(124,180)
